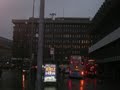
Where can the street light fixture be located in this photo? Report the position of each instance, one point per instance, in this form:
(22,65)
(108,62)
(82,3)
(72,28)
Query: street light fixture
(52,15)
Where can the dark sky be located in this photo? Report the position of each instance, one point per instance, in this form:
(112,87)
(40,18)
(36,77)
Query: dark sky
(22,9)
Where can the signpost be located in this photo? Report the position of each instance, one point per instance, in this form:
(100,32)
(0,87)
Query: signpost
(52,51)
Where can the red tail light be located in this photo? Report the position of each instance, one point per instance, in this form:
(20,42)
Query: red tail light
(82,73)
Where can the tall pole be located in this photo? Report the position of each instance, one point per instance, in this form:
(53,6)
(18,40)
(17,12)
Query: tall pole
(33,8)
(40,46)
(32,29)
(31,36)
(52,17)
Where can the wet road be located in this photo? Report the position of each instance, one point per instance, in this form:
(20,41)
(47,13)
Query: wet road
(10,80)
(16,80)
(90,84)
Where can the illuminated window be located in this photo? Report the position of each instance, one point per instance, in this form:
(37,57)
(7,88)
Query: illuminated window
(82,41)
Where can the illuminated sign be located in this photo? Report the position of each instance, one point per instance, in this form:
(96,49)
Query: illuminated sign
(50,73)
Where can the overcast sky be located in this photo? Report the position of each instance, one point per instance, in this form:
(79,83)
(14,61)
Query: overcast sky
(22,9)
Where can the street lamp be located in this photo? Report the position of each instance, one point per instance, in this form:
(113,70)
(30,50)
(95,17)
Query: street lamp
(52,15)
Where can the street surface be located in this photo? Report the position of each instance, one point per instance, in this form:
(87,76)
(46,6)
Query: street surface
(10,80)
(15,80)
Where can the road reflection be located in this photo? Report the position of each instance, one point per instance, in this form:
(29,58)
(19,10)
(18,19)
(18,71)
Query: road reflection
(23,81)
(64,84)
(82,84)
(50,88)
(95,84)
(69,84)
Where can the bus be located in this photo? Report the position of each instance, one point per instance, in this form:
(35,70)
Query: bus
(76,67)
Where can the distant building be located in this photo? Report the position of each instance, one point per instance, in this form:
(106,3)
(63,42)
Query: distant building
(106,37)
(5,47)
(67,36)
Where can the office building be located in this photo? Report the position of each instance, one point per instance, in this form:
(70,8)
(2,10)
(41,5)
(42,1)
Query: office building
(66,36)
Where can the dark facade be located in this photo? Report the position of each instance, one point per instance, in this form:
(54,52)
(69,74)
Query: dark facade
(106,20)
(68,36)
(106,37)
(5,49)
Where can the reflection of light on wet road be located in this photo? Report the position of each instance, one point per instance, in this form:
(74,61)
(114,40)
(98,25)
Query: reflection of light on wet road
(81,84)
(75,84)
(70,84)
(23,77)
(50,88)
(81,88)
(95,84)
(23,82)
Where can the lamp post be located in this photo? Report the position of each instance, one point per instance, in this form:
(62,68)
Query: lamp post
(33,8)
(32,29)
(52,49)
(40,46)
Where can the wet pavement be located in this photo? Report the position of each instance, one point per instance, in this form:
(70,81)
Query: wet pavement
(16,80)
(10,80)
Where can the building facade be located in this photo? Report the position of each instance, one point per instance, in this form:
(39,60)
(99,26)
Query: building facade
(5,47)
(66,36)
(5,51)
(106,38)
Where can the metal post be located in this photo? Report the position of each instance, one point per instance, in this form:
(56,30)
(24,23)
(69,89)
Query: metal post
(31,49)
(33,8)
(32,29)
(40,46)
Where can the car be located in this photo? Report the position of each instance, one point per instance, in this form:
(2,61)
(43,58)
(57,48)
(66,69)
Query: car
(76,67)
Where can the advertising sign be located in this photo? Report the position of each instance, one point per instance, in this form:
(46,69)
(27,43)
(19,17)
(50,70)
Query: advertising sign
(50,73)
